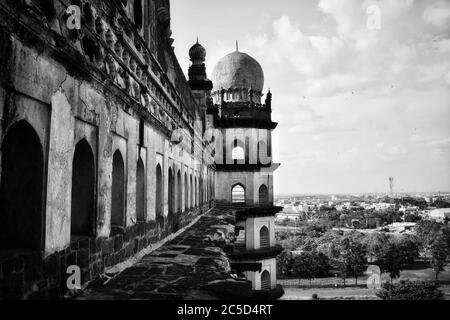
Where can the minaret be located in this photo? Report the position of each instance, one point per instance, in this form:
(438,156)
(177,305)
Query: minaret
(201,90)
(244,171)
(197,70)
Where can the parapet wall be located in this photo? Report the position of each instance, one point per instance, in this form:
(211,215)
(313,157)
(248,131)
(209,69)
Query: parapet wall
(32,276)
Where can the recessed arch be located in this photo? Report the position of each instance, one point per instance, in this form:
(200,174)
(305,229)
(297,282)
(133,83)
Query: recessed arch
(264,237)
(263,156)
(171,193)
(140,190)
(238,153)
(238,193)
(138,14)
(238,150)
(192,190)
(159,201)
(179,192)
(265,280)
(263,195)
(21,189)
(186,192)
(83,191)
(196,193)
(118,191)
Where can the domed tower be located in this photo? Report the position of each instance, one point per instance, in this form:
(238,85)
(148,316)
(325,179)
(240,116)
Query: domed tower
(197,69)
(244,167)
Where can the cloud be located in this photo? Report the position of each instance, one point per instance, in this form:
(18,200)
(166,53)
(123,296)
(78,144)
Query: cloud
(392,153)
(349,15)
(417,138)
(437,13)
(441,143)
(430,73)
(378,97)
(447,78)
(355,58)
(306,112)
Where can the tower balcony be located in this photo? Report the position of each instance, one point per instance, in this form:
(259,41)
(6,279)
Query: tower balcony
(257,212)
(243,254)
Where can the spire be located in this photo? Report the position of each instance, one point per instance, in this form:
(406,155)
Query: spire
(197,40)
(237,46)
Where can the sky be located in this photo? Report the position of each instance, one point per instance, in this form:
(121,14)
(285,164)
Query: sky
(357,98)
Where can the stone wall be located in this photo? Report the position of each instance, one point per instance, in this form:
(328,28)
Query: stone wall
(104,86)
(32,276)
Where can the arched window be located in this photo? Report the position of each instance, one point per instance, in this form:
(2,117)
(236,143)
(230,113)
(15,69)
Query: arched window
(264,238)
(140,190)
(138,14)
(205,190)
(21,189)
(238,153)
(171,193)
(263,195)
(191,194)
(265,280)
(159,194)
(196,192)
(118,191)
(83,191)
(238,194)
(186,192)
(179,192)
(200,190)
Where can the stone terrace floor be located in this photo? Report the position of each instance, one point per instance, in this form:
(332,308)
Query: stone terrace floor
(191,266)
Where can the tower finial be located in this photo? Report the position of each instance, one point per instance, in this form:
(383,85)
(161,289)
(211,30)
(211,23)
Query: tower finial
(237,45)
(197,39)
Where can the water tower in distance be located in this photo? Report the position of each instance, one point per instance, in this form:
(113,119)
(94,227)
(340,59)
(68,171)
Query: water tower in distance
(391,185)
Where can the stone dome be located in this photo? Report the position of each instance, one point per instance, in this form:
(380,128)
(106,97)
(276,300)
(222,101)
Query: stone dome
(197,52)
(238,70)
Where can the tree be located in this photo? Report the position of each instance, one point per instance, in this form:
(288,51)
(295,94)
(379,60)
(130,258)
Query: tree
(408,247)
(292,242)
(348,255)
(427,231)
(374,243)
(439,252)
(446,220)
(390,260)
(310,265)
(353,257)
(411,217)
(435,240)
(343,219)
(409,290)
(328,243)
(303,266)
(322,264)
(441,204)
(285,262)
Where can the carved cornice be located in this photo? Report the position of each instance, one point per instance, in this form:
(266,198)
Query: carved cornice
(256,255)
(103,53)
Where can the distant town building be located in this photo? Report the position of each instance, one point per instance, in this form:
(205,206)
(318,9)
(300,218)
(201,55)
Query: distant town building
(291,216)
(439,214)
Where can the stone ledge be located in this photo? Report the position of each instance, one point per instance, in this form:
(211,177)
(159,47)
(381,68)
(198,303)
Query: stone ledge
(193,265)
(256,255)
